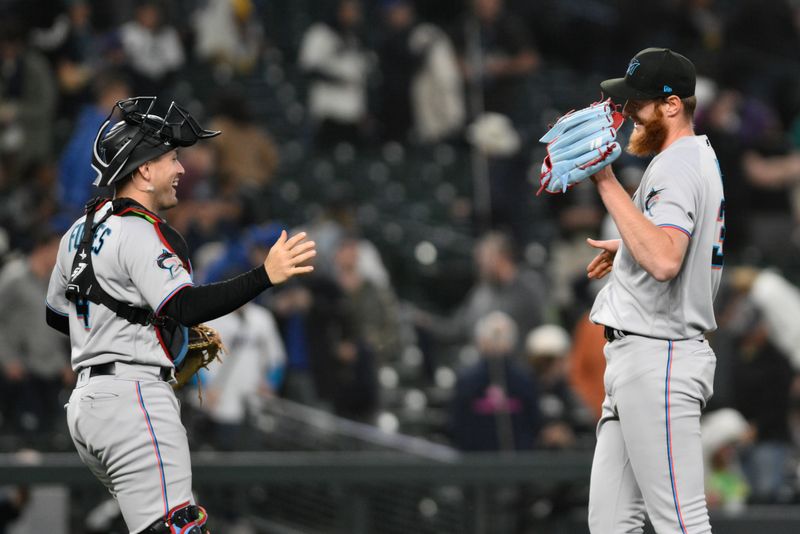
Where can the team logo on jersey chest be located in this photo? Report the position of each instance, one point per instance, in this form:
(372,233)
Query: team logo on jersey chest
(169,261)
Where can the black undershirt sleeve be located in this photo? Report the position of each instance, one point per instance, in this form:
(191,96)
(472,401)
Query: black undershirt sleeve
(197,304)
(59,322)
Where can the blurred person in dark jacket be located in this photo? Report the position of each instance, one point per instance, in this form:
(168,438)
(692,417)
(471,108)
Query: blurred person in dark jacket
(503,284)
(505,54)
(27,101)
(564,416)
(12,503)
(374,308)
(422,87)
(762,380)
(34,357)
(328,365)
(75,173)
(494,407)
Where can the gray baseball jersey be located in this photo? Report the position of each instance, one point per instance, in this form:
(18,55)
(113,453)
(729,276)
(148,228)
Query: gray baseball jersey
(144,460)
(648,458)
(681,189)
(134,265)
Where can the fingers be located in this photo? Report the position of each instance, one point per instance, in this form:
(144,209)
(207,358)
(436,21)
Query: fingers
(600,266)
(302,270)
(602,257)
(600,272)
(286,258)
(594,263)
(294,239)
(302,258)
(597,243)
(301,248)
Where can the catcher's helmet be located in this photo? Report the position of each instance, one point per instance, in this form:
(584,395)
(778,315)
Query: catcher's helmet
(140,137)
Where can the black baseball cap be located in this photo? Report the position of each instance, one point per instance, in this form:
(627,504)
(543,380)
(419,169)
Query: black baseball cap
(653,73)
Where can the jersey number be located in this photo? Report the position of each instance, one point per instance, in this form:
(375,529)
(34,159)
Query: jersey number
(717,259)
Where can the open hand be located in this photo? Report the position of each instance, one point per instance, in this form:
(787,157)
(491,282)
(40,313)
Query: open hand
(288,256)
(602,263)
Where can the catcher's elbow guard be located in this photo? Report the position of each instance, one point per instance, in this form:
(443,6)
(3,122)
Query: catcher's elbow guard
(183,519)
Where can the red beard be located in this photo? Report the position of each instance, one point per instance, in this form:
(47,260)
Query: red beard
(648,139)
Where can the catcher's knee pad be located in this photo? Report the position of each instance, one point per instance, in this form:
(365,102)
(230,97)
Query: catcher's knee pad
(185,519)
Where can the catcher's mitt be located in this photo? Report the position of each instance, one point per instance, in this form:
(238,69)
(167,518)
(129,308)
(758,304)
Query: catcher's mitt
(205,346)
(579,144)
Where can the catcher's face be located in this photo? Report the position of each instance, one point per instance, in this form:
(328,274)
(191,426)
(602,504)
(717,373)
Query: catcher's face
(165,173)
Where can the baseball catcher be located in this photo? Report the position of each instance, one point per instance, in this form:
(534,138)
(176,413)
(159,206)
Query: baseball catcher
(579,144)
(123,290)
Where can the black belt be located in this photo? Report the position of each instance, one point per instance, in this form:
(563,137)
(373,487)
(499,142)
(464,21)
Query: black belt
(110,368)
(613,334)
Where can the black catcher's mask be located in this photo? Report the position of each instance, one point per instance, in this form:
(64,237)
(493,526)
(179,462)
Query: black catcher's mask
(140,137)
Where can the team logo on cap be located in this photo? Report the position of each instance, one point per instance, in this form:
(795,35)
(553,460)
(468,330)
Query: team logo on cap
(169,261)
(632,66)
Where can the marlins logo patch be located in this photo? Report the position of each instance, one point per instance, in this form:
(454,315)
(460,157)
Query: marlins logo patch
(632,66)
(169,261)
(651,199)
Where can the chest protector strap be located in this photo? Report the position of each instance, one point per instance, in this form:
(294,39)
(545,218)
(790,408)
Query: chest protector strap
(83,284)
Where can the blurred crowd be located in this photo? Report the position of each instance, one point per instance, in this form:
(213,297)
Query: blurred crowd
(458,312)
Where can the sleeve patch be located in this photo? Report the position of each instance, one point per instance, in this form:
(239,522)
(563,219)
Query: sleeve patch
(169,261)
(652,199)
(174,242)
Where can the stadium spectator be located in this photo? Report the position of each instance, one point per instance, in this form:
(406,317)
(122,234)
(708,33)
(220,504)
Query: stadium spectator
(229,35)
(374,308)
(337,220)
(496,53)
(422,88)
(12,503)
(328,365)
(337,65)
(724,433)
(28,96)
(252,371)
(503,284)
(565,420)
(34,358)
(494,406)
(247,158)
(75,173)
(70,44)
(153,49)
(758,362)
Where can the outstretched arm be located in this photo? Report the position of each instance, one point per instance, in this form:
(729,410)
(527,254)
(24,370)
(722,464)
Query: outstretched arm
(196,304)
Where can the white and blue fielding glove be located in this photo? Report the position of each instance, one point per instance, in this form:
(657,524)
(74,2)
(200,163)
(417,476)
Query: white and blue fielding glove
(579,144)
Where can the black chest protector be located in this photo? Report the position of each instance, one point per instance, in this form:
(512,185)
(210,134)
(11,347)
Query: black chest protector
(83,285)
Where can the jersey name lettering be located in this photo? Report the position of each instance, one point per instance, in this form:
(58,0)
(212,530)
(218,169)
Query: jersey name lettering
(100,235)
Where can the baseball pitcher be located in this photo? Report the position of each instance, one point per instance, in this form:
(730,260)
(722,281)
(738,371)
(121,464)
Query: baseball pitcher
(656,308)
(658,304)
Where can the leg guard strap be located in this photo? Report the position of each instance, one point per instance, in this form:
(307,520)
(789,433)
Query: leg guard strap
(186,519)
